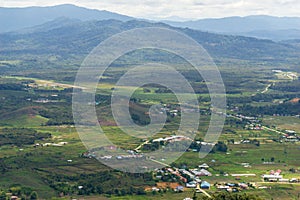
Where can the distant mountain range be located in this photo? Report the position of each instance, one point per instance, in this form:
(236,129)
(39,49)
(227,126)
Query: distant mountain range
(12,19)
(261,26)
(66,37)
(65,41)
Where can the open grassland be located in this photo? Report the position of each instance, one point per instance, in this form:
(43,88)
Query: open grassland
(23,120)
(284,123)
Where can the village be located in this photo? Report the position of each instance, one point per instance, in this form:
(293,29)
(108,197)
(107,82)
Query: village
(195,180)
(198,179)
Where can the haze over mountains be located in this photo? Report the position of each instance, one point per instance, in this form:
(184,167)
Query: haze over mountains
(265,27)
(64,41)
(261,26)
(12,19)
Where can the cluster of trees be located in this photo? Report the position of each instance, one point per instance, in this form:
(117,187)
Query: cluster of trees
(182,146)
(272,159)
(103,99)
(281,109)
(13,100)
(163,90)
(168,146)
(233,122)
(220,146)
(229,196)
(255,142)
(105,182)
(16,97)
(269,97)
(57,114)
(12,86)
(25,193)
(195,146)
(153,146)
(21,136)
(287,86)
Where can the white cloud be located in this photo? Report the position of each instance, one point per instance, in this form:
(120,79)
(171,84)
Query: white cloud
(189,9)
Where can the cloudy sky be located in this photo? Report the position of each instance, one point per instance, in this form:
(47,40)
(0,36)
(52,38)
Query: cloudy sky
(177,9)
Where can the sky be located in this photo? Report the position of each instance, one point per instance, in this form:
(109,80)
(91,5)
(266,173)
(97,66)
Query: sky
(177,9)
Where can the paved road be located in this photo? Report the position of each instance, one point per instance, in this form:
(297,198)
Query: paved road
(273,130)
(267,88)
(203,191)
(138,148)
(164,164)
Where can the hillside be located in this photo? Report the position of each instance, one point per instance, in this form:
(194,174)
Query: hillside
(68,36)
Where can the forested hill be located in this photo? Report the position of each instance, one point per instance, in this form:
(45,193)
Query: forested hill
(65,39)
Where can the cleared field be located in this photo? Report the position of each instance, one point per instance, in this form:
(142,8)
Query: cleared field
(26,120)
(284,123)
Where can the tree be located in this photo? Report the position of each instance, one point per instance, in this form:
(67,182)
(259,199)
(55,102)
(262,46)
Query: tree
(33,196)
(195,195)
(221,146)
(15,190)
(3,196)
(229,196)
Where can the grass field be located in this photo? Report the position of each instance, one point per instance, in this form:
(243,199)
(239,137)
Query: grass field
(284,123)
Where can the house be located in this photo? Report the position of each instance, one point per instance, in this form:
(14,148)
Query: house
(243,186)
(204,166)
(119,157)
(284,180)
(159,177)
(174,138)
(183,171)
(246,141)
(203,172)
(230,184)
(290,131)
(192,184)
(293,180)
(205,185)
(106,157)
(292,139)
(243,175)
(183,179)
(272,178)
(179,189)
(198,180)
(223,187)
(176,173)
